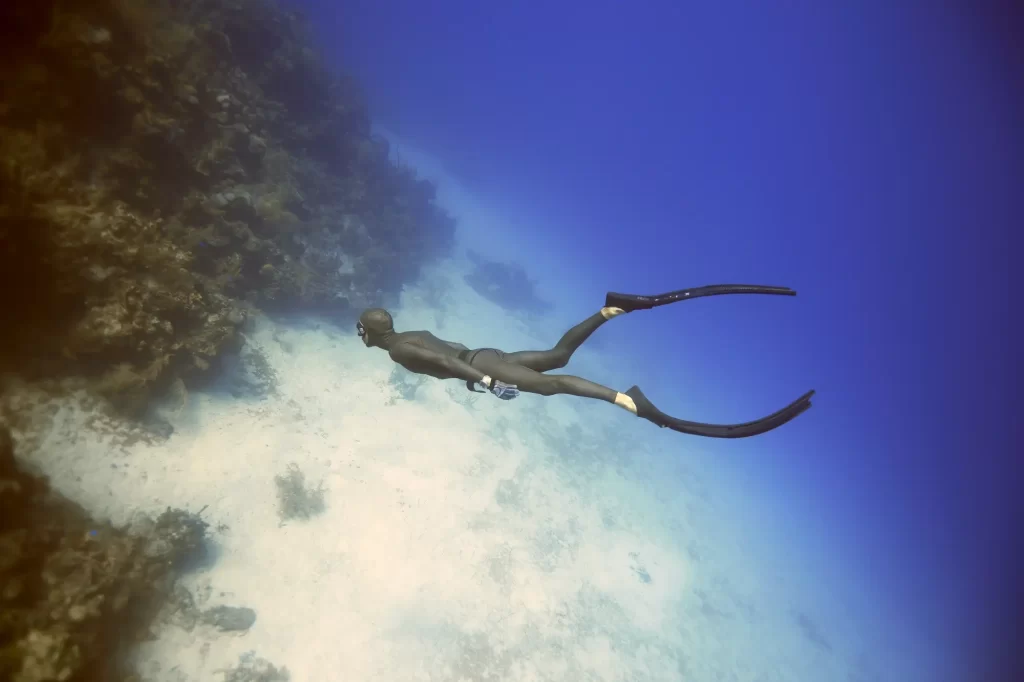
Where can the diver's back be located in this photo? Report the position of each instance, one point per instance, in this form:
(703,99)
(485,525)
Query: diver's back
(425,339)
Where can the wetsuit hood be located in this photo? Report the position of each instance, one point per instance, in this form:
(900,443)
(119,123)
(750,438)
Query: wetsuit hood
(377,321)
(375,326)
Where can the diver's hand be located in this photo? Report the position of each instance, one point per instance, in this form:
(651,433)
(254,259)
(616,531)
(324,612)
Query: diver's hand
(504,391)
(499,389)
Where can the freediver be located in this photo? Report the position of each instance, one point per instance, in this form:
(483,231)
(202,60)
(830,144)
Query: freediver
(505,375)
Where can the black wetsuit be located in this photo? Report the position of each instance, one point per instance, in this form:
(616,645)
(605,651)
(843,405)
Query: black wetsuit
(524,369)
(424,353)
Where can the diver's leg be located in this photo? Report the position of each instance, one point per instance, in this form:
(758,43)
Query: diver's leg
(531,381)
(558,357)
(634,401)
(617,304)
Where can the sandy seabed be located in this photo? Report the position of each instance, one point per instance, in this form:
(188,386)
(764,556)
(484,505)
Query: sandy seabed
(462,537)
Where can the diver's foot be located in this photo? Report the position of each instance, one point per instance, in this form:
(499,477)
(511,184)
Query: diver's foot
(608,312)
(644,408)
(625,402)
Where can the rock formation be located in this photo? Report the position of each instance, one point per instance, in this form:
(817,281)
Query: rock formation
(167,167)
(75,591)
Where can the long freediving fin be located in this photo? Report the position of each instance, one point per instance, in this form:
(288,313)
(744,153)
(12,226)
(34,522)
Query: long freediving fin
(647,410)
(631,302)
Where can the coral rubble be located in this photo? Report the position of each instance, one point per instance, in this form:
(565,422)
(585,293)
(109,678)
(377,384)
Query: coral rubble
(168,166)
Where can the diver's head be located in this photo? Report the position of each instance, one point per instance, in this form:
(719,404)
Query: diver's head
(375,326)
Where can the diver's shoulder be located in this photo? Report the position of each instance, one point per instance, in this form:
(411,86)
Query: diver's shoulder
(423,339)
(428,340)
(412,337)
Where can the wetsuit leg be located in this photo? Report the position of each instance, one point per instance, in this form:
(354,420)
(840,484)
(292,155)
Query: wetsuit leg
(558,357)
(492,362)
(528,380)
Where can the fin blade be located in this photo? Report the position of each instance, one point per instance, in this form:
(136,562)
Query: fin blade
(647,410)
(631,302)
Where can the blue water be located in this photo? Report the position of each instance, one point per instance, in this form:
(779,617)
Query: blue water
(866,154)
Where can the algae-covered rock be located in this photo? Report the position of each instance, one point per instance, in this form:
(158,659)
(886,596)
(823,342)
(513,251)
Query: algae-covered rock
(230,618)
(169,164)
(75,591)
(252,668)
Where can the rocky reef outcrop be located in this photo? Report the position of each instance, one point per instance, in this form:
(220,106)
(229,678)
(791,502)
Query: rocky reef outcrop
(167,167)
(76,592)
(505,284)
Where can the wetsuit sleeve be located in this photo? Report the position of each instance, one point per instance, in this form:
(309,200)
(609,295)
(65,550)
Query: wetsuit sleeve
(410,356)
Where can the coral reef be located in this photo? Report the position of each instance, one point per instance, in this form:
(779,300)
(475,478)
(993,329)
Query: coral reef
(505,284)
(251,668)
(296,500)
(168,169)
(169,166)
(251,373)
(74,591)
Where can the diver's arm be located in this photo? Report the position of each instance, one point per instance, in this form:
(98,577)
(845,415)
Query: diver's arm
(408,353)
